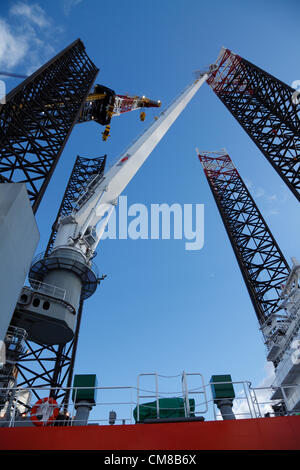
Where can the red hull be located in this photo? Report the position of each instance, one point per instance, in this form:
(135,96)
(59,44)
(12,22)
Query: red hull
(249,434)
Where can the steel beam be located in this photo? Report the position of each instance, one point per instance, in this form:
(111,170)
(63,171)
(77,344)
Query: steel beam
(260,259)
(39,116)
(264,107)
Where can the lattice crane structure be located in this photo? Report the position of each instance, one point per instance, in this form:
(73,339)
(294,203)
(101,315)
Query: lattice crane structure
(266,108)
(38,117)
(273,287)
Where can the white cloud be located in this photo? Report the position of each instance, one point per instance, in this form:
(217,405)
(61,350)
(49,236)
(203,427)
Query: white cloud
(69,4)
(248,183)
(13,48)
(262,396)
(269,200)
(270,375)
(33,13)
(25,36)
(259,192)
(272,212)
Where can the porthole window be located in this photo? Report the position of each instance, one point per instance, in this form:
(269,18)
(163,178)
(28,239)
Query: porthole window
(36,302)
(46,305)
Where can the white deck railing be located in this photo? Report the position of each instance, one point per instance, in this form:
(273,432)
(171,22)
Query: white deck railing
(249,402)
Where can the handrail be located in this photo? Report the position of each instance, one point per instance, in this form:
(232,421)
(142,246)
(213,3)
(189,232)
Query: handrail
(249,402)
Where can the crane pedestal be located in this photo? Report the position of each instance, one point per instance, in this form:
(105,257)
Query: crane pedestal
(48,312)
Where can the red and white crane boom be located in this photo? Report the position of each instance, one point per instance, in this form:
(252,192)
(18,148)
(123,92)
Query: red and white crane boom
(69,266)
(81,230)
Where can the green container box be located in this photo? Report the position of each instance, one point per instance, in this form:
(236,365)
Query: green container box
(168,408)
(87,394)
(222,390)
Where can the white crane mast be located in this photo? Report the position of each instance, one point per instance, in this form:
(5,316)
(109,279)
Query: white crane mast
(80,229)
(69,266)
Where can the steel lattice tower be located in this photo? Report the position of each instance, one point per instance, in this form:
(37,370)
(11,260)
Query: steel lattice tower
(260,259)
(263,106)
(39,116)
(52,366)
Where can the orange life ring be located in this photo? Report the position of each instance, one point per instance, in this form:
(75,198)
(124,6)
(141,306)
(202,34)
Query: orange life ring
(44,412)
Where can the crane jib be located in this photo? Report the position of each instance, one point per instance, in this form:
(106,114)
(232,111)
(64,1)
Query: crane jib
(120,174)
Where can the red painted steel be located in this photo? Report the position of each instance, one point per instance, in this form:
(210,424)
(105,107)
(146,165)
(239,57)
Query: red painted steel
(227,74)
(281,433)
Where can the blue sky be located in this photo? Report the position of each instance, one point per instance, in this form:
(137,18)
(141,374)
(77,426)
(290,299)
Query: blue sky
(163,308)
